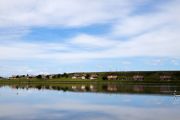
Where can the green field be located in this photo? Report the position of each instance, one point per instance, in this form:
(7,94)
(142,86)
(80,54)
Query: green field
(150,77)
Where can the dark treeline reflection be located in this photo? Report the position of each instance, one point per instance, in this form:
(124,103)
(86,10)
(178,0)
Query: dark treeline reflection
(105,88)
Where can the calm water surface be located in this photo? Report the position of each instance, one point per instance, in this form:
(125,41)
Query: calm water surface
(44,104)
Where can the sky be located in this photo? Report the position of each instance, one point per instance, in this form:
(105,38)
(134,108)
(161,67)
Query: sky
(57,36)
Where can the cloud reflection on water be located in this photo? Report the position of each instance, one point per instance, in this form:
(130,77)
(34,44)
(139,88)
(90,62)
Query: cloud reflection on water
(48,105)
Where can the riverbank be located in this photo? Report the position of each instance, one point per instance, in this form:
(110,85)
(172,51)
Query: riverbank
(139,87)
(80,81)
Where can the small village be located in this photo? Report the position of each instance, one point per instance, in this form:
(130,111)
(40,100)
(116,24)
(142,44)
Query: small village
(113,76)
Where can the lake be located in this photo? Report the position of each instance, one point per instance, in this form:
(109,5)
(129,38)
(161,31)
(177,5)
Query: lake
(90,102)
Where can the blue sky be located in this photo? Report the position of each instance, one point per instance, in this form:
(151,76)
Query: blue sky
(56,36)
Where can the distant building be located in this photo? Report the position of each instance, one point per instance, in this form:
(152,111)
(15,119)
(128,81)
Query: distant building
(42,76)
(138,77)
(30,76)
(93,76)
(83,77)
(112,77)
(75,76)
(13,77)
(49,76)
(165,77)
(78,76)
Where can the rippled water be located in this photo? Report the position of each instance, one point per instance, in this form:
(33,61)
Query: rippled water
(46,104)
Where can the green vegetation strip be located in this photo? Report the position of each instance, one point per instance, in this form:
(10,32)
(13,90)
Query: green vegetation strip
(79,81)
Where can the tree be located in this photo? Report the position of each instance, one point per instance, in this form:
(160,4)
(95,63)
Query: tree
(17,76)
(48,76)
(87,76)
(39,76)
(59,75)
(104,77)
(65,75)
(54,76)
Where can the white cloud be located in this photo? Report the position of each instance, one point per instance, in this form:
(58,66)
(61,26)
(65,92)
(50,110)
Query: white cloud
(61,12)
(137,25)
(156,62)
(126,63)
(166,15)
(161,43)
(13,34)
(175,61)
(92,41)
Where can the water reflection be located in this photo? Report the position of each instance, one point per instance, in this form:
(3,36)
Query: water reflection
(105,88)
(51,103)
